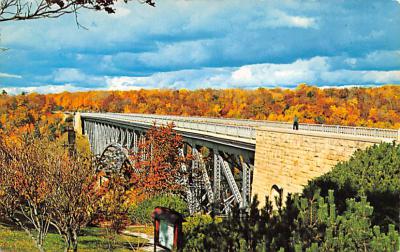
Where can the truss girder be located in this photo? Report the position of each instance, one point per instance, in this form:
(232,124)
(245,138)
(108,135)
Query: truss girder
(212,185)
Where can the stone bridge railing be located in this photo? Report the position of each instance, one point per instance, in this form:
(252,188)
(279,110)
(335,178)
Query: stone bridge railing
(244,128)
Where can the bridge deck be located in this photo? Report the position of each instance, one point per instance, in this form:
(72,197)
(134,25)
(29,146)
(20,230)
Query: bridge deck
(239,129)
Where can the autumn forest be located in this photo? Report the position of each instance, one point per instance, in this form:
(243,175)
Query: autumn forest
(370,107)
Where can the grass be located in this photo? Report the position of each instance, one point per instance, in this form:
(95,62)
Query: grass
(91,239)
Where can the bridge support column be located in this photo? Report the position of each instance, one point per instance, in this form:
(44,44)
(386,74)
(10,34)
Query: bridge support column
(194,186)
(110,130)
(122,133)
(91,136)
(88,132)
(128,139)
(116,135)
(141,145)
(135,142)
(217,178)
(246,184)
(108,134)
(96,138)
(103,137)
(100,136)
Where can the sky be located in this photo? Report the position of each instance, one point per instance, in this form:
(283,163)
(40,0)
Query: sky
(196,44)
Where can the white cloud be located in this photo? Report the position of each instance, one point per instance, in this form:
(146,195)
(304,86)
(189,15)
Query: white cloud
(314,71)
(303,22)
(68,75)
(374,60)
(121,11)
(276,18)
(355,77)
(242,74)
(276,74)
(383,58)
(44,89)
(177,54)
(192,79)
(122,83)
(72,75)
(7,75)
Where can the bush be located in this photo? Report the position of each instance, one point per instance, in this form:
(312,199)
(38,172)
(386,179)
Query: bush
(309,224)
(374,173)
(196,221)
(141,213)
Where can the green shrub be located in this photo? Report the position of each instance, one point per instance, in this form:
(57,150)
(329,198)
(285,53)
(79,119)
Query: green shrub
(141,213)
(195,221)
(305,224)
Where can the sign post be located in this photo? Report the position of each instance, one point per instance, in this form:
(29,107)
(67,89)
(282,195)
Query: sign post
(167,229)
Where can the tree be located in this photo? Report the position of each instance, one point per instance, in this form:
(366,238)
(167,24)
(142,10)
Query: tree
(114,206)
(76,198)
(42,185)
(25,189)
(24,9)
(157,164)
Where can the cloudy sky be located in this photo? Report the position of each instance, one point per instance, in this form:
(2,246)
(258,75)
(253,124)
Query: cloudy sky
(206,43)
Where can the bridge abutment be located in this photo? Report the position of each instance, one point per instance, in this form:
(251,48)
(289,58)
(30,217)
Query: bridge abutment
(78,123)
(288,159)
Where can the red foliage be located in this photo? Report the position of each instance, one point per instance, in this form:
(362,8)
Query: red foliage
(157,164)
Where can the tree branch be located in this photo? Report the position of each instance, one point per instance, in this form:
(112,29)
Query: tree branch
(13,10)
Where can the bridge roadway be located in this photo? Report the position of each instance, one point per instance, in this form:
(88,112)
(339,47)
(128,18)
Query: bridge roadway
(242,131)
(227,178)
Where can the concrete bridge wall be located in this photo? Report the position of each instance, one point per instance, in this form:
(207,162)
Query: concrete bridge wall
(289,158)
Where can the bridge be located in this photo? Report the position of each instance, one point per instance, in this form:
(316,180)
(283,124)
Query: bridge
(233,159)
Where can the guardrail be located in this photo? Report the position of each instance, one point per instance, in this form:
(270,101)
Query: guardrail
(244,132)
(246,128)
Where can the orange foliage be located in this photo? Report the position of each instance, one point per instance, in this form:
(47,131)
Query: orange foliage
(372,107)
(23,113)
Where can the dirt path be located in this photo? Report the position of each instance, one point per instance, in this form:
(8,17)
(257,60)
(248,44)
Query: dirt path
(149,246)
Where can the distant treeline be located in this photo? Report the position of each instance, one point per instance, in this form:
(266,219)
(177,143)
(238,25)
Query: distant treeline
(373,107)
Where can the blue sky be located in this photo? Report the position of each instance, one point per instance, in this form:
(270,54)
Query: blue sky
(206,43)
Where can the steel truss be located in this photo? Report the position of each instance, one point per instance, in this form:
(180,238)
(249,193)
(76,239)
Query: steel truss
(215,182)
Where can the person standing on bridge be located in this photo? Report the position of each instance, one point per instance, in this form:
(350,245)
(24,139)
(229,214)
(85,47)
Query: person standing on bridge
(296,123)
